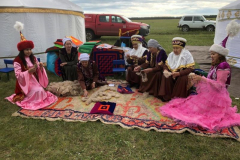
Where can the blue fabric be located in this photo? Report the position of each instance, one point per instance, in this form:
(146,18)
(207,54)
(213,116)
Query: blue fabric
(51,58)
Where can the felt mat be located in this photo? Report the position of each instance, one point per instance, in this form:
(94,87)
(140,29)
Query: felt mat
(137,110)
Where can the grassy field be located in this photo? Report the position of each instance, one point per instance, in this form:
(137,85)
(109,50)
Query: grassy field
(40,139)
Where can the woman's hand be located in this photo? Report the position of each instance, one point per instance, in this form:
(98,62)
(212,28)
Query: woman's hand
(196,79)
(148,70)
(134,57)
(137,69)
(175,74)
(93,85)
(41,65)
(32,70)
(85,93)
(128,56)
(63,64)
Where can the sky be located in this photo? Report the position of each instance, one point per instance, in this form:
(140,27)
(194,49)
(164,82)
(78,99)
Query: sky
(152,8)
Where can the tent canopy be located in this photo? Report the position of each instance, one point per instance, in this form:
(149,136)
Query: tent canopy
(233,5)
(225,15)
(44,22)
(51,4)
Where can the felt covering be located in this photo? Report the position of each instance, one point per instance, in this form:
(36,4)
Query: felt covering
(104,59)
(137,110)
(103,108)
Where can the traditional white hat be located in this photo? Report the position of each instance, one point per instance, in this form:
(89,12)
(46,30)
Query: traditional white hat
(179,42)
(66,39)
(84,57)
(137,38)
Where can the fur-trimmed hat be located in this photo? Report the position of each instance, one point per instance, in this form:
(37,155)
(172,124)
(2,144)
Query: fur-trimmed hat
(179,42)
(232,30)
(23,44)
(219,49)
(136,39)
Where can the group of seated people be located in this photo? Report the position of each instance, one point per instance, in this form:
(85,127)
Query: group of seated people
(150,70)
(163,76)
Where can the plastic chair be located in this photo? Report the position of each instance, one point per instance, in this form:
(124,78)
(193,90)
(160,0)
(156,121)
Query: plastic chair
(7,69)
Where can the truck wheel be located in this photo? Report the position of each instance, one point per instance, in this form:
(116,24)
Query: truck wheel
(210,28)
(89,35)
(185,28)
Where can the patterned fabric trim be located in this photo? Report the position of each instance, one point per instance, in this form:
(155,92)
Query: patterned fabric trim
(191,65)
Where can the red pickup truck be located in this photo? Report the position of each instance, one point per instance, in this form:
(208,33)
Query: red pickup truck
(98,25)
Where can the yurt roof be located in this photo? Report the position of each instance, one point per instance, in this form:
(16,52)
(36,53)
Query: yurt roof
(233,5)
(46,4)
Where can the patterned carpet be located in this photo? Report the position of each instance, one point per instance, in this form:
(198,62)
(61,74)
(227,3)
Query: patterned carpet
(135,110)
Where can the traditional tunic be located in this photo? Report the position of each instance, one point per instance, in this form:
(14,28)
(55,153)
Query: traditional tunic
(88,75)
(184,64)
(29,92)
(156,62)
(70,69)
(211,107)
(132,78)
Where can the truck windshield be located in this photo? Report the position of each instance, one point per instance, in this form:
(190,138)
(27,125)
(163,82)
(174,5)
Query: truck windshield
(128,20)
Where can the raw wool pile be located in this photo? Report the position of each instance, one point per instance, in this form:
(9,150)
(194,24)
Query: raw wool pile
(143,75)
(101,95)
(65,88)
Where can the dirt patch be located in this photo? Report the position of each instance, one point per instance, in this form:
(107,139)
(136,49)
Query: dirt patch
(202,57)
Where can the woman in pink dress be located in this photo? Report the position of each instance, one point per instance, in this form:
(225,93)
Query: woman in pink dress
(31,79)
(211,107)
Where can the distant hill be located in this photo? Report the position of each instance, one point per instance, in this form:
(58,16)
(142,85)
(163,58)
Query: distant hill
(139,18)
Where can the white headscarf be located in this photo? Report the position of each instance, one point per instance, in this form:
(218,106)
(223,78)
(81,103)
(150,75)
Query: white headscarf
(139,51)
(65,40)
(84,57)
(183,60)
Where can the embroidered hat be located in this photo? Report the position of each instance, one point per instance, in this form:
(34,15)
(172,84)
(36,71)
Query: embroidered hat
(23,44)
(84,57)
(232,30)
(136,39)
(179,42)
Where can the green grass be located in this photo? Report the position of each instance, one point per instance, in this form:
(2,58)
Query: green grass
(22,138)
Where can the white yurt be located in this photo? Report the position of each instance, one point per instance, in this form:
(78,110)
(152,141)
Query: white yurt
(44,21)
(225,15)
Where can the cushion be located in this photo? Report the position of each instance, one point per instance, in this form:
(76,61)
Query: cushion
(103,108)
